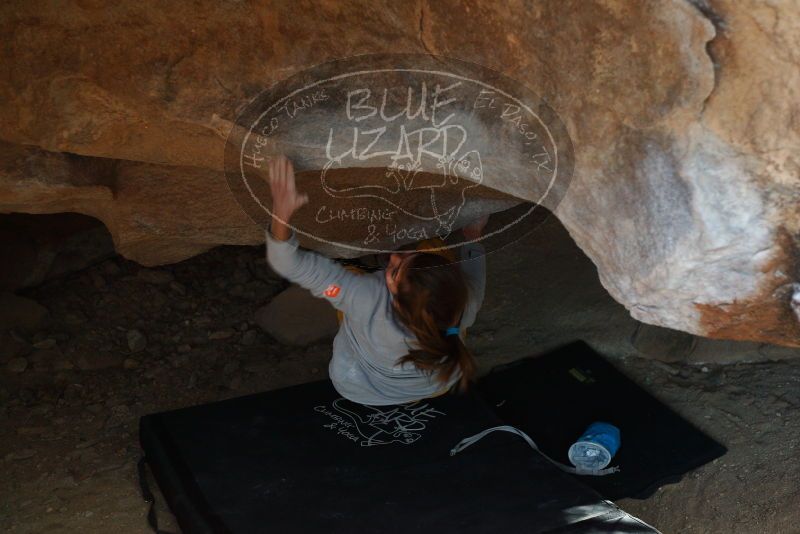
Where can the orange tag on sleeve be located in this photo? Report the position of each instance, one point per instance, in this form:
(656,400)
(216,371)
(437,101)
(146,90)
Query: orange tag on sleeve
(332,290)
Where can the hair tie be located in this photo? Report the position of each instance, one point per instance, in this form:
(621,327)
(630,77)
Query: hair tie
(452,331)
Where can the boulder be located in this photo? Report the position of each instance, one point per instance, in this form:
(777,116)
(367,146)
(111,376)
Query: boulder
(682,115)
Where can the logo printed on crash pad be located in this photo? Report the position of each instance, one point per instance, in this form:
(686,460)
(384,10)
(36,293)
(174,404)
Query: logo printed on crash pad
(373,425)
(332,290)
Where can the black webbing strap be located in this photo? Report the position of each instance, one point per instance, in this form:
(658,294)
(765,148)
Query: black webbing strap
(148,497)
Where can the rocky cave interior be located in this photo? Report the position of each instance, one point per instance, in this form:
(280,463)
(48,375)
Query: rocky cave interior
(131,281)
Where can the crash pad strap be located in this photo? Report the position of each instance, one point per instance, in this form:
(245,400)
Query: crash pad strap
(466,442)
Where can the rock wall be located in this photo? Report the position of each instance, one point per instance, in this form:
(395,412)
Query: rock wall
(683,115)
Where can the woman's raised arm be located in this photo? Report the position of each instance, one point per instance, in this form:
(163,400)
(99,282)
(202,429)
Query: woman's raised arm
(323,277)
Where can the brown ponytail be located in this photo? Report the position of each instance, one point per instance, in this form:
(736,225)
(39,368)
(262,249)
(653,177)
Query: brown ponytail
(431,296)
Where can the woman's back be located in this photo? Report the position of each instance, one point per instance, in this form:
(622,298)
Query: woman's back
(365,366)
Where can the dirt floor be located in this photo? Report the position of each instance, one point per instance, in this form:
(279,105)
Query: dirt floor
(68,437)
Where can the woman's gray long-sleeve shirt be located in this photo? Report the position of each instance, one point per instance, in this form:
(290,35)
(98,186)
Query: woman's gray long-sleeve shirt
(371,340)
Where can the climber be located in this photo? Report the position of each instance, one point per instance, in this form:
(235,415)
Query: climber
(402,335)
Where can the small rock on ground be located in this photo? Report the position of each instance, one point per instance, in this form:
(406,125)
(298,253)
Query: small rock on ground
(17,365)
(136,341)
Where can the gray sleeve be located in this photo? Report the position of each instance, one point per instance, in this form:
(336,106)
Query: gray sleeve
(473,264)
(325,278)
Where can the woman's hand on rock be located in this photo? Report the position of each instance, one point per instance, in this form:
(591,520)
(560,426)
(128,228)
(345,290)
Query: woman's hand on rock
(285,198)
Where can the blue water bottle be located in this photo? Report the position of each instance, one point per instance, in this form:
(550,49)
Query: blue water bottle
(596,446)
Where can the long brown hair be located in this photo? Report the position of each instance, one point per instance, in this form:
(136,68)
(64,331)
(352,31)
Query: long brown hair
(431,296)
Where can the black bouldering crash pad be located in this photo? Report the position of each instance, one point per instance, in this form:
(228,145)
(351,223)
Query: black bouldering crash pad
(302,459)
